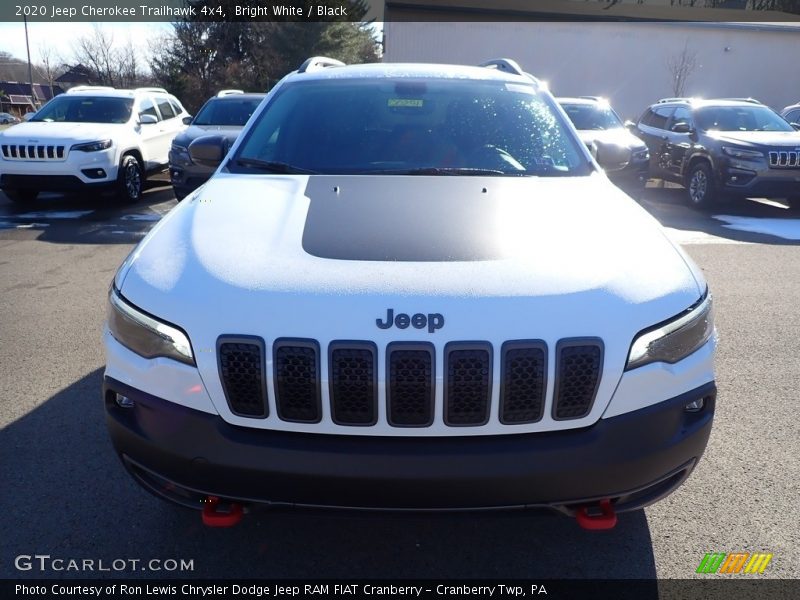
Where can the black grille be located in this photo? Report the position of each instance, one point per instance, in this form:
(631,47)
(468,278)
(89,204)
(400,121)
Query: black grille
(468,385)
(297,395)
(241,370)
(353,383)
(784,159)
(523,383)
(578,369)
(410,390)
(23,152)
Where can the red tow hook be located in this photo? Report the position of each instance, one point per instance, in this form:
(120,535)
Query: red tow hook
(212,517)
(607,518)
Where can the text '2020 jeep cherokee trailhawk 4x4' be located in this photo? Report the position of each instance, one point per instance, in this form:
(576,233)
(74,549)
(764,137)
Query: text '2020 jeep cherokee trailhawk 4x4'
(91,138)
(409,287)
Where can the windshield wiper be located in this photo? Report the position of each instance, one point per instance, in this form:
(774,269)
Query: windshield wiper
(441,171)
(273,166)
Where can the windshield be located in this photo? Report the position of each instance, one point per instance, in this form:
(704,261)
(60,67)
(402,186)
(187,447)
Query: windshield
(592,116)
(86,109)
(740,118)
(227,112)
(410,126)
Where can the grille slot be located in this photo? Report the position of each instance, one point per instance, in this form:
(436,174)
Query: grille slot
(353,383)
(784,159)
(410,387)
(26,152)
(523,382)
(242,370)
(578,366)
(468,384)
(297,380)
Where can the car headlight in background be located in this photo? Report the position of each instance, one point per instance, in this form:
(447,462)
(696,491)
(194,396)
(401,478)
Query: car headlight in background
(676,339)
(180,154)
(92,146)
(144,334)
(641,154)
(742,153)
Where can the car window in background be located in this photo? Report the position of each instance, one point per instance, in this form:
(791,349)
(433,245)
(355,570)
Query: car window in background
(165,108)
(148,108)
(657,117)
(793,116)
(592,116)
(234,113)
(395,126)
(85,109)
(740,118)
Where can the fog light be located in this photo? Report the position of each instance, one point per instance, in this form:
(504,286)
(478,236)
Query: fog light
(123,401)
(695,405)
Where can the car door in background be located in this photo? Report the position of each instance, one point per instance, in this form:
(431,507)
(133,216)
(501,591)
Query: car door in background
(679,140)
(653,130)
(150,133)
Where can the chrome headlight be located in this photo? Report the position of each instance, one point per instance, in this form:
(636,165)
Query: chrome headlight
(144,334)
(742,153)
(641,154)
(93,146)
(676,339)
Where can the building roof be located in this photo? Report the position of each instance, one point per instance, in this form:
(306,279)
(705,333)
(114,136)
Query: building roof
(20,89)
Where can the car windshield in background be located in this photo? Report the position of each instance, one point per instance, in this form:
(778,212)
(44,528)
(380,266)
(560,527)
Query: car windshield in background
(86,109)
(592,116)
(410,126)
(234,113)
(740,118)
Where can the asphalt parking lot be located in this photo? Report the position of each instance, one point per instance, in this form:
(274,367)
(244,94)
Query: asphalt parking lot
(65,494)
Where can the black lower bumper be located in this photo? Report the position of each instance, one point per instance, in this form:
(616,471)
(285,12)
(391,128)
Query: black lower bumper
(50,183)
(186,455)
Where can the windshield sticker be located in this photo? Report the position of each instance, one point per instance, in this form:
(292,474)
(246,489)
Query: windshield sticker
(520,87)
(415,102)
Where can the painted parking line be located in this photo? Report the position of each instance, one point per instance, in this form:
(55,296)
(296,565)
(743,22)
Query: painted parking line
(688,236)
(54,214)
(788,229)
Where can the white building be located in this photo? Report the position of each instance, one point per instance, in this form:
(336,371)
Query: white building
(624,61)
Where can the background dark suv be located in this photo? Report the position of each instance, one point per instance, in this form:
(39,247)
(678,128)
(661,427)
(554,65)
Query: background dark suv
(722,147)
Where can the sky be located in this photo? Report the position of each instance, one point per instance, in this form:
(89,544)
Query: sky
(62,36)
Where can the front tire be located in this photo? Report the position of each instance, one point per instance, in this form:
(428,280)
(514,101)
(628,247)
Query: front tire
(701,191)
(130,179)
(21,196)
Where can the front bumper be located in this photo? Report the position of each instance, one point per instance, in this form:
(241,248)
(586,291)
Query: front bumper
(186,176)
(186,455)
(632,178)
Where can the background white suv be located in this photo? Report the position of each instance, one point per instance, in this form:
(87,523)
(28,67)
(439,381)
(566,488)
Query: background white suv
(91,137)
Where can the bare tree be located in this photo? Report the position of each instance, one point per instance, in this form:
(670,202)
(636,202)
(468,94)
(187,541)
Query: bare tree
(50,64)
(97,52)
(680,67)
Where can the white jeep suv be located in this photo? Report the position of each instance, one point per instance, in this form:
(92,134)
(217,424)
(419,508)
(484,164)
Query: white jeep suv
(409,286)
(88,138)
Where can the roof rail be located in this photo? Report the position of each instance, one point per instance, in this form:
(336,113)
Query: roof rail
(222,93)
(504,64)
(316,63)
(89,88)
(595,98)
(673,100)
(151,89)
(750,100)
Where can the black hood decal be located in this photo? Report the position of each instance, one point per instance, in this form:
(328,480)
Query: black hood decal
(404,218)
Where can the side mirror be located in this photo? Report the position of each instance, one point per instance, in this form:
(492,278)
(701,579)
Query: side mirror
(795,125)
(187,120)
(613,157)
(630,125)
(148,119)
(209,150)
(682,127)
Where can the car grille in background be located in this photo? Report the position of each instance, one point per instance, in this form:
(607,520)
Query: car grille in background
(468,387)
(523,382)
(784,159)
(241,368)
(32,152)
(354,383)
(352,375)
(297,381)
(578,368)
(410,389)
